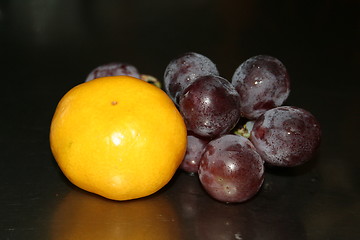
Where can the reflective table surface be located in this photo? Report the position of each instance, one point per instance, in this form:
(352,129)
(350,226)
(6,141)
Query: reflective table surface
(47,47)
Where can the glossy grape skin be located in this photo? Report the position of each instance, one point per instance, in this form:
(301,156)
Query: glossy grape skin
(230,169)
(194,150)
(113,69)
(210,106)
(263,83)
(286,136)
(183,70)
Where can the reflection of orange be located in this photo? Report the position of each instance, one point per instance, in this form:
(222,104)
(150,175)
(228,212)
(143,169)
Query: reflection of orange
(82,216)
(119,137)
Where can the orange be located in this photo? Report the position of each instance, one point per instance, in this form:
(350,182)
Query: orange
(118,137)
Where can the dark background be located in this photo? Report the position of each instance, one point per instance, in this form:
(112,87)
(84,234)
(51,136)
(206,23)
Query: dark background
(47,47)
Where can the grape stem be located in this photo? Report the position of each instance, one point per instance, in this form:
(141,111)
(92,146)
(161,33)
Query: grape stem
(245,130)
(150,79)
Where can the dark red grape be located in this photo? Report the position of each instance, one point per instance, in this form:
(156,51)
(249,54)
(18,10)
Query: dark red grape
(210,106)
(183,70)
(263,83)
(286,136)
(195,147)
(230,169)
(113,69)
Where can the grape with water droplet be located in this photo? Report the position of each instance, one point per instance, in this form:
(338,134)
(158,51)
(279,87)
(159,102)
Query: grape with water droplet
(183,70)
(286,136)
(230,169)
(263,83)
(210,106)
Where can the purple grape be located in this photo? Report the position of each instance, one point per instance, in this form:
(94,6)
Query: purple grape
(182,71)
(210,106)
(286,136)
(230,169)
(113,69)
(195,147)
(263,83)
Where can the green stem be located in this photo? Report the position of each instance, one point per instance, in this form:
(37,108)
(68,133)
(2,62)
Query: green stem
(150,79)
(245,130)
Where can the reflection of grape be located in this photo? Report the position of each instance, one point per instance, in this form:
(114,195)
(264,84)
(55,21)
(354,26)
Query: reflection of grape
(195,147)
(113,69)
(230,169)
(210,106)
(262,83)
(182,71)
(286,136)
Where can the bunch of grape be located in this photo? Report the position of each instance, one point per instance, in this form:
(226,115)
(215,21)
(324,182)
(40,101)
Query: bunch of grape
(231,164)
(230,161)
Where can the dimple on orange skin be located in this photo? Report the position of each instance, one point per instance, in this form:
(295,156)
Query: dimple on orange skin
(119,137)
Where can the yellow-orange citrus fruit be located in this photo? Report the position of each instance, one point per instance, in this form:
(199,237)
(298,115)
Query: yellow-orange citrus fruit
(118,137)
